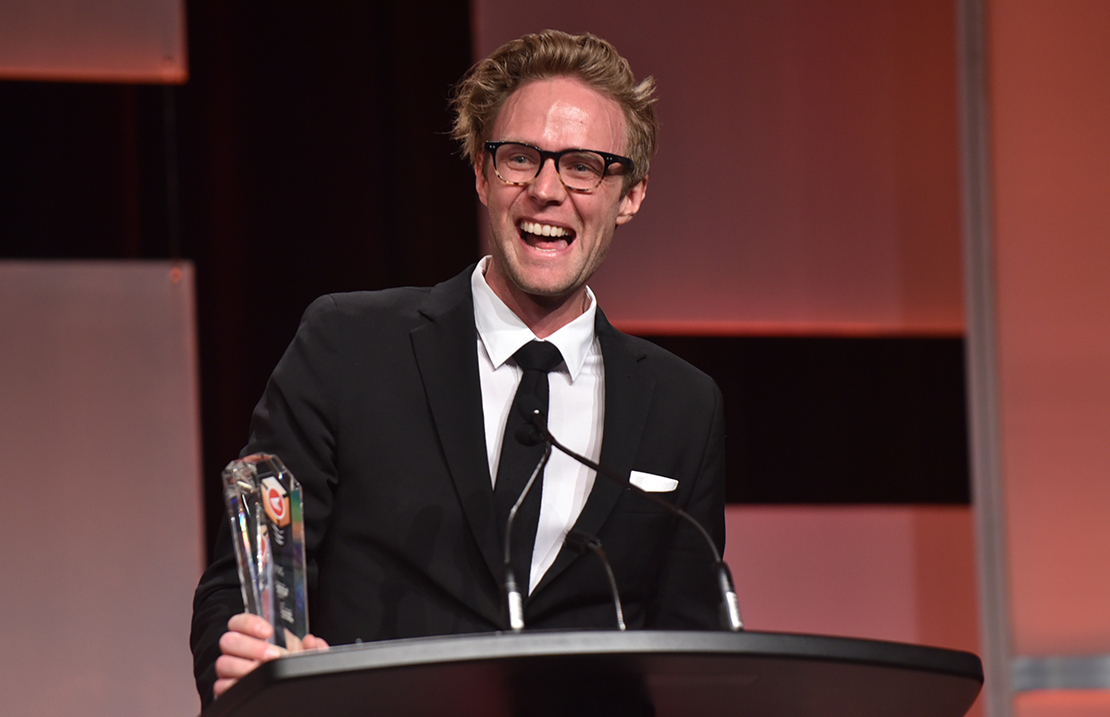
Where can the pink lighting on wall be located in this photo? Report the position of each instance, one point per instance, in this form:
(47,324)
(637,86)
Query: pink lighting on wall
(76,40)
(808,172)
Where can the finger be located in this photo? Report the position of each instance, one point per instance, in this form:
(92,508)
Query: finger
(237,644)
(231,667)
(292,642)
(252,625)
(311,642)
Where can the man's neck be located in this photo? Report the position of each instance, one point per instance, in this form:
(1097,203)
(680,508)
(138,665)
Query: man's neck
(544,315)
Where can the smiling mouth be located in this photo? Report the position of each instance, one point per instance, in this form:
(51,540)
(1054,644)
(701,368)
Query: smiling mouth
(545,236)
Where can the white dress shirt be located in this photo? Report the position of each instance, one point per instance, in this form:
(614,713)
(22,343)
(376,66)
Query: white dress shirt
(576,411)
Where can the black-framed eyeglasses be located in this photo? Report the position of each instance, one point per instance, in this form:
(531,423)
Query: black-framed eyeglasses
(580,170)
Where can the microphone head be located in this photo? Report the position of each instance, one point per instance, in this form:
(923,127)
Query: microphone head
(577,540)
(529,434)
(534,429)
(532,411)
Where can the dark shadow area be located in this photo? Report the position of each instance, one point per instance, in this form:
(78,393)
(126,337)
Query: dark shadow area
(839,420)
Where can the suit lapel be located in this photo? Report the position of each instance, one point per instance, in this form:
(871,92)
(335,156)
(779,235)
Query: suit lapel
(455,397)
(627,399)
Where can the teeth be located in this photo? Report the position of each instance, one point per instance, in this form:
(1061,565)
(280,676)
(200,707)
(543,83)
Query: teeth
(545,230)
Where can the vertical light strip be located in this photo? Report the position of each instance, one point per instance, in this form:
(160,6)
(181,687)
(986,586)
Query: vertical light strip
(982,359)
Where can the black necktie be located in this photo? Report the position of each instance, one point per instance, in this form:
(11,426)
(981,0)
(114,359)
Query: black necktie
(517,462)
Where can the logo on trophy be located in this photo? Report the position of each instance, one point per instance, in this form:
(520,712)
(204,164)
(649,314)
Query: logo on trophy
(276,502)
(264,504)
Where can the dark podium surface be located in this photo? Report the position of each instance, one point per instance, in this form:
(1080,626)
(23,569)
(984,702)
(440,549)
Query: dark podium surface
(612,673)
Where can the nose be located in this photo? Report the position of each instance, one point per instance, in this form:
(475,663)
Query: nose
(548,186)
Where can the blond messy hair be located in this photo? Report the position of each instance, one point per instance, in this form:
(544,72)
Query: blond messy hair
(483,90)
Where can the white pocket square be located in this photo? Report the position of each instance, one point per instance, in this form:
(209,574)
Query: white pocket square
(652,483)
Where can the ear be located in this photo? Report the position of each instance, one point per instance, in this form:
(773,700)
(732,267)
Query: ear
(630,202)
(481,182)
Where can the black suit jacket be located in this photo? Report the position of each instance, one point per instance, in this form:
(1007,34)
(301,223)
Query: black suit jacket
(376,409)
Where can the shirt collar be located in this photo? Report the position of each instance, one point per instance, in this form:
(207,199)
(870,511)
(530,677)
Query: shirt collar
(502,332)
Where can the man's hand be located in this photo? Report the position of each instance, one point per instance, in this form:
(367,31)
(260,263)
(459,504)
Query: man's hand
(244,647)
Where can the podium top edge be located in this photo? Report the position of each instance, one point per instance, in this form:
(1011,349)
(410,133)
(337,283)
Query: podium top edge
(563,643)
(720,653)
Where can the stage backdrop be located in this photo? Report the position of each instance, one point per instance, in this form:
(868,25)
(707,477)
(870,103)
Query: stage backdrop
(100,483)
(807,179)
(1047,80)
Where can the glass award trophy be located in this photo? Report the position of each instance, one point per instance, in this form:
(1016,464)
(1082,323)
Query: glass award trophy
(267,527)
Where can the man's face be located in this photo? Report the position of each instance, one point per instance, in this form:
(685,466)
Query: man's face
(546,240)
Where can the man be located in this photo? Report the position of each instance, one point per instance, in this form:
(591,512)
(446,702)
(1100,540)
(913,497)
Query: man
(390,407)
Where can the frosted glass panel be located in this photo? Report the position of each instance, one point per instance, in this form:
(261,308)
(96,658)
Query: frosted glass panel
(100,477)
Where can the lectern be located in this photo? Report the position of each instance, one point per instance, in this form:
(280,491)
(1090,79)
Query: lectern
(635,673)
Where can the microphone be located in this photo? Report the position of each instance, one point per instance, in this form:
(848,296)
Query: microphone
(582,542)
(730,606)
(529,434)
(513,599)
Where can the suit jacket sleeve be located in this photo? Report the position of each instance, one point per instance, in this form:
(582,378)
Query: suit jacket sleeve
(296,421)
